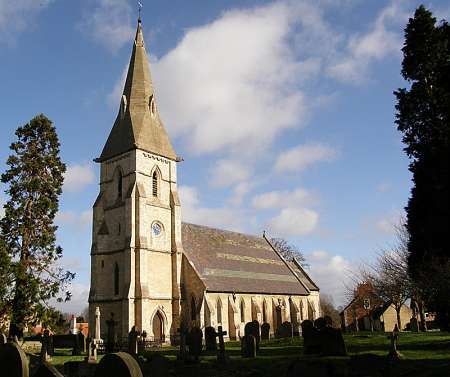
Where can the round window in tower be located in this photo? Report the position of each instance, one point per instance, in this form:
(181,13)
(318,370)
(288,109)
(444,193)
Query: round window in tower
(156,229)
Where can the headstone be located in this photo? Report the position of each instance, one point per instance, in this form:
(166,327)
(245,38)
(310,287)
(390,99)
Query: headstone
(92,356)
(414,324)
(47,370)
(393,353)
(111,334)
(13,361)
(328,321)
(256,332)
(248,346)
(45,347)
(320,323)
(120,364)
(285,330)
(210,339)
(3,338)
(132,341)
(311,341)
(332,342)
(221,356)
(195,342)
(97,325)
(81,340)
(265,331)
(182,353)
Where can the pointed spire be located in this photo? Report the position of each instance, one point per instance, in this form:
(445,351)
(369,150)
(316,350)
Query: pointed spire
(138,124)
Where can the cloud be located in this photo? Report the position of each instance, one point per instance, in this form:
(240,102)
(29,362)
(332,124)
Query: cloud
(283,198)
(294,222)
(79,301)
(80,220)
(303,156)
(78,176)
(379,42)
(193,212)
(16,15)
(238,79)
(227,172)
(330,272)
(109,23)
(383,187)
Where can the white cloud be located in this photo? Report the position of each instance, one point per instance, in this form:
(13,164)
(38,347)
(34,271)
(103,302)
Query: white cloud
(386,225)
(293,222)
(283,198)
(383,187)
(330,272)
(227,172)
(17,15)
(78,302)
(78,176)
(238,78)
(193,212)
(380,41)
(80,220)
(301,157)
(109,23)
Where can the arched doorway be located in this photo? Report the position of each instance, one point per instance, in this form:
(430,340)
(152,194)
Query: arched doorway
(158,328)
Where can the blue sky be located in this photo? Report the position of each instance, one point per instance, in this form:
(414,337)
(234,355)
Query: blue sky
(283,112)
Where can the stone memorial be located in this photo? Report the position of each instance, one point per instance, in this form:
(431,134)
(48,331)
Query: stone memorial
(265,331)
(97,337)
(133,341)
(332,342)
(221,356)
(210,339)
(320,323)
(256,332)
(285,330)
(248,346)
(92,352)
(111,334)
(120,364)
(195,342)
(45,346)
(311,341)
(13,361)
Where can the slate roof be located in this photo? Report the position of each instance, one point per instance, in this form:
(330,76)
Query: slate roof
(137,126)
(302,275)
(235,262)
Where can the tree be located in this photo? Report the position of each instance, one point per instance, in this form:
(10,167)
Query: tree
(327,308)
(288,251)
(34,179)
(423,116)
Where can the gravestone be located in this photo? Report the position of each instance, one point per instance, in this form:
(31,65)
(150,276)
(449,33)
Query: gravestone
(320,323)
(45,346)
(3,338)
(248,346)
(414,324)
(111,334)
(132,341)
(92,352)
(81,339)
(183,333)
(328,321)
(97,325)
(13,360)
(195,342)
(120,364)
(255,331)
(47,370)
(332,342)
(210,339)
(265,331)
(221,356)
(285,330)
(393,352)
(311,341)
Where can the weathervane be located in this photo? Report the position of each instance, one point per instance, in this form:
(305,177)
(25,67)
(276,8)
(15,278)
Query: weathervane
(139,9)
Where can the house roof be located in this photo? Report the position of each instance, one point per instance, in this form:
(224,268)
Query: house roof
(235,262)
(138,125)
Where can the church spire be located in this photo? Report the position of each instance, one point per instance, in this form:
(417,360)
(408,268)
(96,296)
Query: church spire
(138,124)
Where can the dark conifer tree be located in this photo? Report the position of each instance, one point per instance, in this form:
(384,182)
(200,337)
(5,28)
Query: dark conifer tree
(34,179)
(423,116)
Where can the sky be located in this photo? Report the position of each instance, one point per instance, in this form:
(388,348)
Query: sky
(282,110)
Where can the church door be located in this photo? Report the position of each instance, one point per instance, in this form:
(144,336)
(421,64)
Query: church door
(158,328)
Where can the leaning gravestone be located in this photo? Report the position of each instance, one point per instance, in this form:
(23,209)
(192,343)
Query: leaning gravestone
(265,331)
(195,342)
(47,370)
(13,361)
(248,346)
(120,364)
(210,339)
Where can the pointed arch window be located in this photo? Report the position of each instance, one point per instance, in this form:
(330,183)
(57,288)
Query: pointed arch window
(155,183)
(193,309)
(116,279)
(264,313)
(219,311)
(242,309)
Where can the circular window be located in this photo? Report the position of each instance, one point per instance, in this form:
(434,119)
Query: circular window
(156,229)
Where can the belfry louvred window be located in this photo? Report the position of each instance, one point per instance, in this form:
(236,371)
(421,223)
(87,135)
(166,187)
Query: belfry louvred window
(155,184)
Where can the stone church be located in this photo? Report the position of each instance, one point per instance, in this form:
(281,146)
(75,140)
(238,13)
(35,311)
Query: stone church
(152,271)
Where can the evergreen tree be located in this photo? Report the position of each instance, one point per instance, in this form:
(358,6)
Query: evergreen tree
(423,116)
(34,179)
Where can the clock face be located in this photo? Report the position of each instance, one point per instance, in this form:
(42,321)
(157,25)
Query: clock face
(156,229)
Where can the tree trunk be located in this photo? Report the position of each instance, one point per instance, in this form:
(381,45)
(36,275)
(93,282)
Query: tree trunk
(423,321)
(399,321)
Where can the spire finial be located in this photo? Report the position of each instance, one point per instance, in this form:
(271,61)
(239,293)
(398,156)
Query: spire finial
(139,10)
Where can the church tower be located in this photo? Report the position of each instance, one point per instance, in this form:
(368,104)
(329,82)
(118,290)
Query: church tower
(136,240)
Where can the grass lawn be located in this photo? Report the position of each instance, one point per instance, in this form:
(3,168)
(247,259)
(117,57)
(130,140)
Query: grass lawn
(424,355)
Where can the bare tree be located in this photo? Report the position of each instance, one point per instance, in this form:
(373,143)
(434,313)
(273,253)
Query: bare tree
(288,251)
(327,308)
